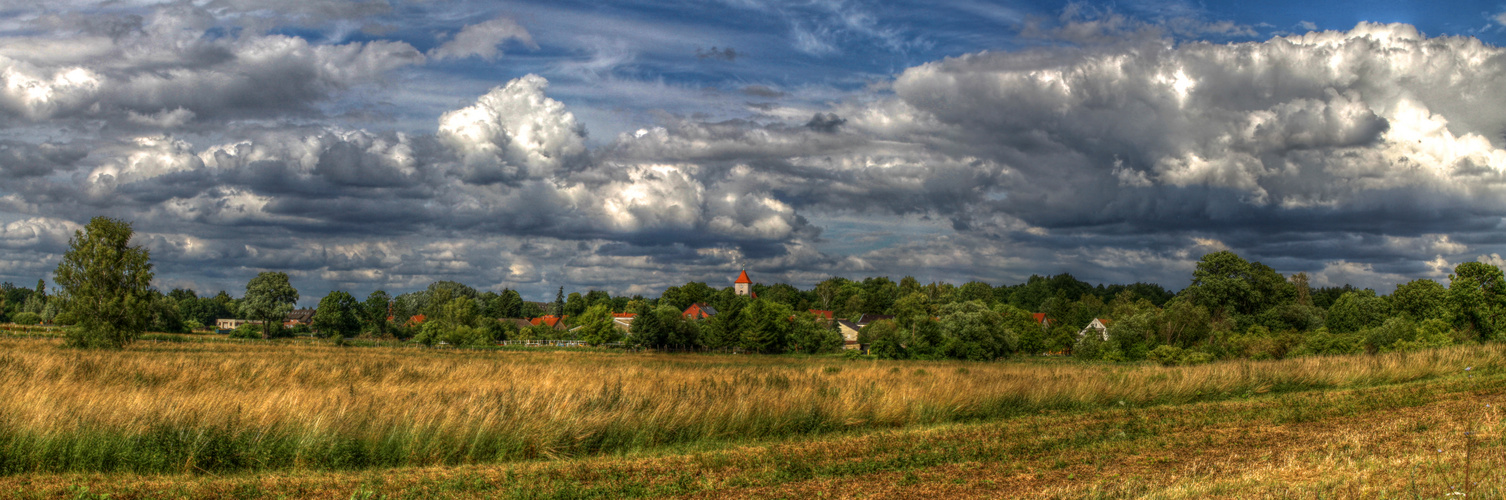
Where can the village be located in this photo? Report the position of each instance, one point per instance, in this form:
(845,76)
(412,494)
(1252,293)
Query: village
(849,328)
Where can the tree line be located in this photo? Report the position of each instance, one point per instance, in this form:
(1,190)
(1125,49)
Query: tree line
(1232,308)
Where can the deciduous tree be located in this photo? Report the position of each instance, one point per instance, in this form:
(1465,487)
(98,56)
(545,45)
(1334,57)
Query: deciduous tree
(596,326)
(269,298)
(106,284)
(375,311)
(338,315)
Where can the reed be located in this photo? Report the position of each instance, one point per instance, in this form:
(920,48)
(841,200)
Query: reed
(215,407)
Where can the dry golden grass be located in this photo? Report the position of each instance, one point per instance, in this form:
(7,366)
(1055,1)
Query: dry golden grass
(1362,443)
(203,408)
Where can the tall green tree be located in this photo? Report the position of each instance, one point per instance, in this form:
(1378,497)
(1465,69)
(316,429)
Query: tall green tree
(765,326)
(374,312)
(1355,311)
(107,285)
(827,292)
(885,339)
(1421,300)
(338,315)
(1477,292)
(724,329)
(976,290)
(575,305)
(596,325)
(269,298)
(879,294)
(594,297)
(646,329)
(811,335)
(508,304)
(976,332)
(681,297)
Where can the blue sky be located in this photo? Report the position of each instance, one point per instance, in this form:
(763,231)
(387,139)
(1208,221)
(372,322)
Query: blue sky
(629,146)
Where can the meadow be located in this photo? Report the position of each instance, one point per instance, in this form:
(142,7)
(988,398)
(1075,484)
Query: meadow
(205,419)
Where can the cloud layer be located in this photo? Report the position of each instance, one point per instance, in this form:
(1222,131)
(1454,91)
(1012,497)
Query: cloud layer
(1368,155)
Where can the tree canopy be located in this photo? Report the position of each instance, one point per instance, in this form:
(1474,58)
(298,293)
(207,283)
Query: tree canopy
(106,285)
(269,298)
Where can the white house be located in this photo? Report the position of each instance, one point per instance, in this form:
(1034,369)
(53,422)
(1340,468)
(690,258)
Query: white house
(1099,325)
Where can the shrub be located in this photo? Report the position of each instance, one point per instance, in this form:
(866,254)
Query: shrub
(884,339)
(246,331)
(1196,358)
(1382,338)
(1431,334)
(1167,355)
(254,331)
(1090,347)
(26,318)
(1324,342)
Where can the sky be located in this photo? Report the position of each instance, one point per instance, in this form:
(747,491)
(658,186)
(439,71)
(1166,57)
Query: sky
(633,145)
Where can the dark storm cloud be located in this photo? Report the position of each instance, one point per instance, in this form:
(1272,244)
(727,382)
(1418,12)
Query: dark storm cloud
(763,91)
(21,159)
(725,54)
(825,122)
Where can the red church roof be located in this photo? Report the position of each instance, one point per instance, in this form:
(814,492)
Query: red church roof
(743,278)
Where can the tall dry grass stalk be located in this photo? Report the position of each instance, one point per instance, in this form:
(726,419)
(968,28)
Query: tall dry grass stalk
(217,407)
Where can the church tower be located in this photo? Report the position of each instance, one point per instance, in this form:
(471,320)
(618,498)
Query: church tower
(743,285)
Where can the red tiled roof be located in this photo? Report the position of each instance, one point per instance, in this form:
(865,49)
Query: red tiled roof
(821,314)
(623,315)
(549,320)
(1040,318)
(743,278)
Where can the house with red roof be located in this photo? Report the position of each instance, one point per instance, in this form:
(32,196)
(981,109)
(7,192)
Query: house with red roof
(698,311)
(1041,319)
(1101,326)
(551,321)
(623,321)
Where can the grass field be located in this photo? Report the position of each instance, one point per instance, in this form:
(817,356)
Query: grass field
(256,420)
